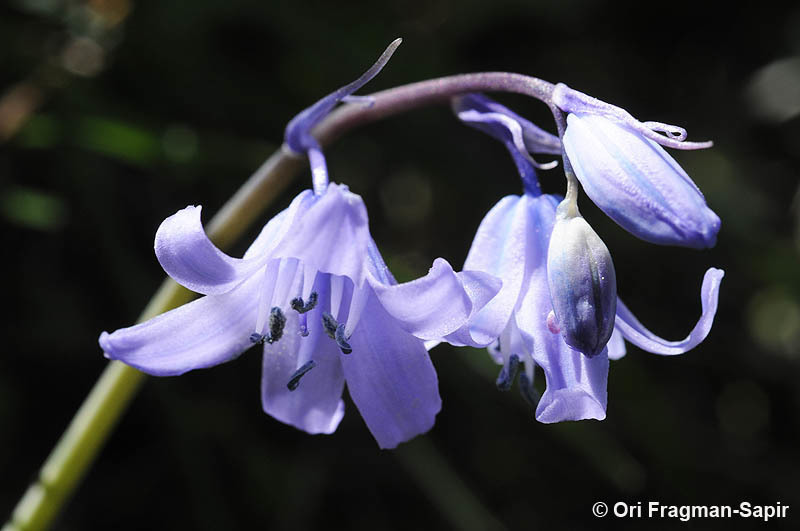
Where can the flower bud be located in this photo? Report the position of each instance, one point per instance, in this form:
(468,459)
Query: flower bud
(583,285)
(637,184)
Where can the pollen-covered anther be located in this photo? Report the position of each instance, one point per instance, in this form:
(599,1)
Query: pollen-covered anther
(341,340)
(277,322)
(335,331)
(294,381)
(329,324)
(299,306)
(508,373)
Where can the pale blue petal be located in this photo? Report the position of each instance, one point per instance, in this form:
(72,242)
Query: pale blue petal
(390,378)
(499,248)
(187,255)
(511,242)
(200,334)
(636,333)
(616,345)
(576,386)
(439,303)
(331,236)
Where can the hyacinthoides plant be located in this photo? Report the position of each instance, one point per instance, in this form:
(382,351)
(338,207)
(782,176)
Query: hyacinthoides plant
(538,287)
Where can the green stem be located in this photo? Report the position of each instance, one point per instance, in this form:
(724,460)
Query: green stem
(79,445)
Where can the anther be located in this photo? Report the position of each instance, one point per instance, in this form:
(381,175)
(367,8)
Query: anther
(256,338)
(335,331)
(277,322)
(300,307)
(508,373)
(528,392)
(341,340)
(329,324)
(294,381)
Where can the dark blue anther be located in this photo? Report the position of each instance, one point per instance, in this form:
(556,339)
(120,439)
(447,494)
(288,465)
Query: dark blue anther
(294,381)
(508,374)
(277,322)
(336,332)
(255,338)
(527,390)
(341,340)
(329,324)
(300,307)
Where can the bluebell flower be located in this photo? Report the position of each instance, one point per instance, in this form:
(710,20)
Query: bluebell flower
(512,244)
(314,290)
(625,171)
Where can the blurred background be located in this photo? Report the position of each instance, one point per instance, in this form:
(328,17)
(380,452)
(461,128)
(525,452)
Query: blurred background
(114,114)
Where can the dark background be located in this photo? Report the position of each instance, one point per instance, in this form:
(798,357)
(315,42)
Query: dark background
(139,109)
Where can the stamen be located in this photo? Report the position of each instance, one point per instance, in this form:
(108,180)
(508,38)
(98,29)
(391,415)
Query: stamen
(257,338)
(265,298)
(329,324)
(336,332)
(508,373)
(528,392)
(303,321)
(337,290)
(300,307)
(341,340)
(294,381)
(277,322)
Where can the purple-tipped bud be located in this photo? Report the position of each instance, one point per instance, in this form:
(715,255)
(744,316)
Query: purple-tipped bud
(583,285)
(637,184)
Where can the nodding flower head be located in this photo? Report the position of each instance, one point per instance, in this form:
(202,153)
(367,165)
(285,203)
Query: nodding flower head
(583,284)
(558,288)
(625,171)
(315,292)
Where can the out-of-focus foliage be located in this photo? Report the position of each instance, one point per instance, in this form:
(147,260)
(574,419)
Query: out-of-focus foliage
(115,114)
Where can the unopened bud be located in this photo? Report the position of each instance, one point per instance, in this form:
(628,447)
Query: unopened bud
(583,285)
